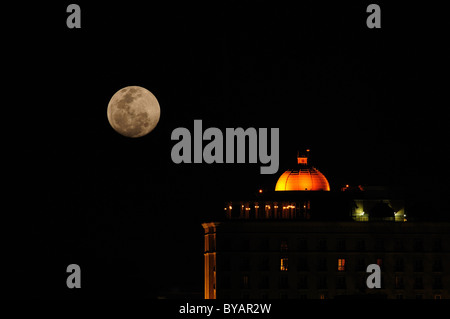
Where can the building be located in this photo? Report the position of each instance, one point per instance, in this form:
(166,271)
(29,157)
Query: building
(305,241)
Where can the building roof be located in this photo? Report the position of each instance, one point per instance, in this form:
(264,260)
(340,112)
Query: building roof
(302,178)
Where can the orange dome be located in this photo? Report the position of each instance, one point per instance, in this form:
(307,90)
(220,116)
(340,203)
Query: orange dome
(304,178)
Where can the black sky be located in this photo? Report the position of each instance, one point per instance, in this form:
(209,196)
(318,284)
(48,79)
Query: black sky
(368,103)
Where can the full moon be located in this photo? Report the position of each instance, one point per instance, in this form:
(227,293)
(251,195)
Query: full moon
(133,111)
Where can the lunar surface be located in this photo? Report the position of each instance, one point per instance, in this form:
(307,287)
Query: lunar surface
(133,111)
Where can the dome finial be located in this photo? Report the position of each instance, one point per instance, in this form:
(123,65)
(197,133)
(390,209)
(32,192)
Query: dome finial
(302,159)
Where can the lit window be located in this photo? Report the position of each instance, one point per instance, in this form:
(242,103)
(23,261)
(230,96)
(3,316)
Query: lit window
(341,264)
(284,264)
(284,245)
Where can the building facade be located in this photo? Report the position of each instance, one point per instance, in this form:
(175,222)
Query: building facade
(316,259)
(305,241)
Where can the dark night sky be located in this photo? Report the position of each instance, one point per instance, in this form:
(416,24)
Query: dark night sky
(368,103)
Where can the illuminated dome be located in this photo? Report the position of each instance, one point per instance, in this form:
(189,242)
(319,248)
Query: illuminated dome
(302,178)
